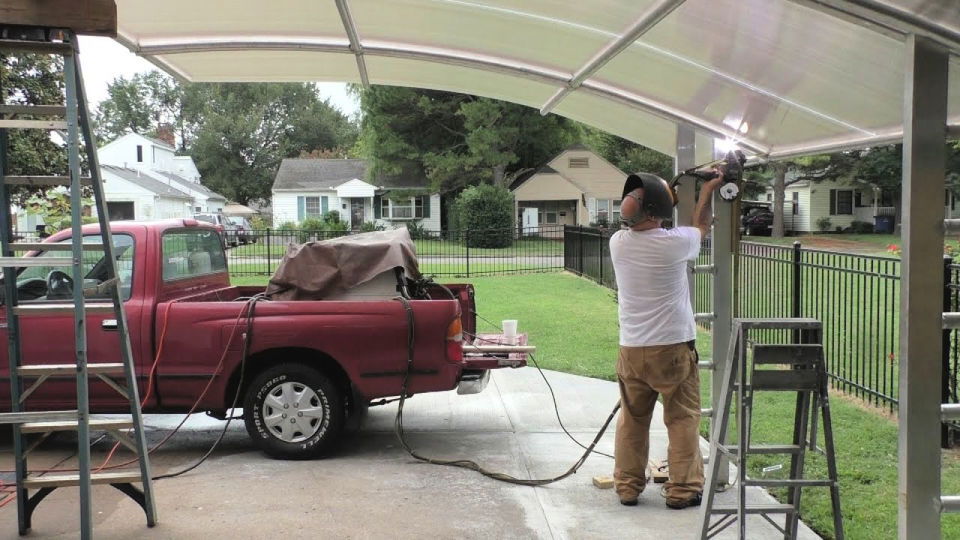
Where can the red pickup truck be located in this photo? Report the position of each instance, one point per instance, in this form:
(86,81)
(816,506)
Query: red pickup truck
(311,363)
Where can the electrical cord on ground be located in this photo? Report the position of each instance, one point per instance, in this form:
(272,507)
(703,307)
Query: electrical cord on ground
(247,341)
(464,463)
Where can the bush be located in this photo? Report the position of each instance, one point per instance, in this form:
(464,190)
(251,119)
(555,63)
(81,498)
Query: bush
(824,224)
(259,223)
(861,227)
(371,226)
(287,226)
(417,230)
(332,216)
(487,213)
(311,228)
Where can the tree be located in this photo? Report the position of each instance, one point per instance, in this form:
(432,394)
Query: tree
(144,103)
(455,140)
(249,128)
(628,156)
(32,79)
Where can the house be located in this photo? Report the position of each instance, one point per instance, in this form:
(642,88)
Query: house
(309,188)
(577,187)
(155,158)
(841,202)
(135,195)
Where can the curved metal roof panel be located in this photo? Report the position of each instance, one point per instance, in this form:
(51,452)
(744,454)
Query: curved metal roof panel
(780,77)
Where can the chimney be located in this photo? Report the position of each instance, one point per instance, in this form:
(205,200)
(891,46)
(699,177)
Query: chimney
(165,134)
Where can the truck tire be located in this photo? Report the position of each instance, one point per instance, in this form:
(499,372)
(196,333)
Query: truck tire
(293,412)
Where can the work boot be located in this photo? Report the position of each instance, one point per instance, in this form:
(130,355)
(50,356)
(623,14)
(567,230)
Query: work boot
(680,504)
(629,498)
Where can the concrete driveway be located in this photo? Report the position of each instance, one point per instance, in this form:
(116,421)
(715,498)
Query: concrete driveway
(373,489)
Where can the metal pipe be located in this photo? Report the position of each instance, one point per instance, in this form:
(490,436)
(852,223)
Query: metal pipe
(951,226)
(949,411)
(950,503)
(648,20)
(351,28)
(951,320)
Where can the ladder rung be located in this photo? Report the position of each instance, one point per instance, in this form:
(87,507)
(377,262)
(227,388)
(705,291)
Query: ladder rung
(951,225)
(61,309)
(34,110)
(33,124)
(706,413)
(796,355)
(23,262)
(44,47)
(107,424)
(73,479)
(765,449)
(44,180)
(53,246)
(787,323)
(787,482)
(755,509)
(951,320)
(704,269)
(950,503)
(69,369)
(706,365)
(703,317)
(36,416)
(785,380)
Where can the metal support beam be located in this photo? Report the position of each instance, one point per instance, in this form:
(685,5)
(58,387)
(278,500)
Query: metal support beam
(648,20)
(686,190)
(351,28)
(722,247)
(921,294)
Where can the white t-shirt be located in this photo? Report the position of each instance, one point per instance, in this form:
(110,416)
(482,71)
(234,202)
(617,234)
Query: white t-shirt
(654,297)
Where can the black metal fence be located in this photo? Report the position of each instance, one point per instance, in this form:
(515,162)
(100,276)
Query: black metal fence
(448,253)
(857,297)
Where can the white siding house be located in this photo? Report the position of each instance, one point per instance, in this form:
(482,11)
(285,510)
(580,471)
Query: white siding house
(309,188)
(135,195)
(155,159)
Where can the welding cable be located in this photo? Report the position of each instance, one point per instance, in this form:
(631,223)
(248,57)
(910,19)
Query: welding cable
(247,341)
(13,495)
(553,396)
(468,464)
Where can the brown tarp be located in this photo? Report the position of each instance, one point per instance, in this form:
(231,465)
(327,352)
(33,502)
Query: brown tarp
(316,270)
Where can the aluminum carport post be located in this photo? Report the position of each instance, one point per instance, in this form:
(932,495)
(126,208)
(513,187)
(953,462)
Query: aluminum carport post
(921,286)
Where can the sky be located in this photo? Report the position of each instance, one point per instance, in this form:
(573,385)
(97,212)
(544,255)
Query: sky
(103,60)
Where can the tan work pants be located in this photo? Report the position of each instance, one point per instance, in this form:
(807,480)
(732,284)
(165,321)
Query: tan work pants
(643,373)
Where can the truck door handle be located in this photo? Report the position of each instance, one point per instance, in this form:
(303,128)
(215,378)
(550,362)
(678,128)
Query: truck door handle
(108,324)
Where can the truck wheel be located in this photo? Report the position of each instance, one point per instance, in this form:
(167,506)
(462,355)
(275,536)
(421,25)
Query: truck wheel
(293,412)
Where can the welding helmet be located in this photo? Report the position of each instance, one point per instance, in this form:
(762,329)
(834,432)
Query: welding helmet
(658,198)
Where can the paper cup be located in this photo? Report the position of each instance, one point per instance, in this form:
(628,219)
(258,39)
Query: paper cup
(510,331)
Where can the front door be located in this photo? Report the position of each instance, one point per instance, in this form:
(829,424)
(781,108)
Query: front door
(356,213)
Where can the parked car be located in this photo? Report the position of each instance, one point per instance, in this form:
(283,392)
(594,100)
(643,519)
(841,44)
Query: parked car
(756,219)
(231,236)
(244,230)
(314,356)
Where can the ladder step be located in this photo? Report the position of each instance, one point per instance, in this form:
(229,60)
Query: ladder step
(43,47)
(779,324)
(53,246)
(44,180)
(37,416)
(951,320)
(33,124)
(706,365)
(69,369)
(786,380)
(108,424)
(756,509)
(787,482)
(704,317)
(23,262)
(61,309)
(795,355)
(73,479)
(764,449)
(704,269)
(34,110)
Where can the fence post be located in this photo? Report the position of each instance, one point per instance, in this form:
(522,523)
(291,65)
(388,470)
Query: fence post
(600,257)
(580,249)
(797,284)
(945,375)
(466,240)
(268,244)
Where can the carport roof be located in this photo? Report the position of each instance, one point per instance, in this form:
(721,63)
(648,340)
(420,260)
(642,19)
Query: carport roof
(779,77)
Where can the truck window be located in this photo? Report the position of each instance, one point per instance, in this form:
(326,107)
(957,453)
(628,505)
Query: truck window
(36,278)
(190,253)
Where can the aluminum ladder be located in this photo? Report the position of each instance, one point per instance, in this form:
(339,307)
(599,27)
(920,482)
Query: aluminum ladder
(71,121)
(806,375)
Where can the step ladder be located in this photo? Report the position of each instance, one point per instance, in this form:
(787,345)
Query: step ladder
(796,367)
(72,121)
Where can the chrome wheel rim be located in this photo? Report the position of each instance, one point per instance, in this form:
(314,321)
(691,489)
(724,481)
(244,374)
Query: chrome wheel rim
(292,412)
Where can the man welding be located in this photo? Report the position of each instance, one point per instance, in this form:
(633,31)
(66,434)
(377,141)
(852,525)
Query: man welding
(657,333)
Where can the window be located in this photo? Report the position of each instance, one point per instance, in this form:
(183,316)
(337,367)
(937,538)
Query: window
(139,153)
(312,207)
(769,197)
(192,253)
(796,202)
(94,270)
(120,210)
(579,163)
(616,212)
(603,210)
(841,202)
(405,208)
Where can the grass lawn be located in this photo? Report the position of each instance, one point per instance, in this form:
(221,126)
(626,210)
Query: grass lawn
(526,247)
(573,322)
(441,269)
